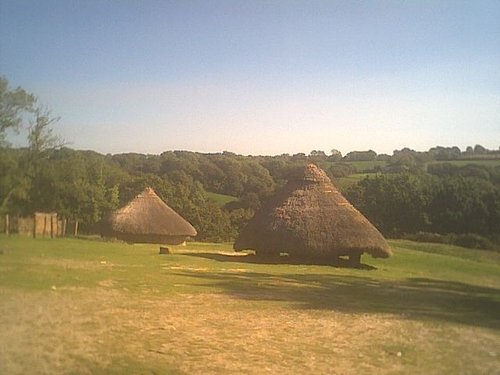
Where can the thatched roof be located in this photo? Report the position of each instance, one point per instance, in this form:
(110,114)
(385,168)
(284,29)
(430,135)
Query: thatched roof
(146,218)
(310,217)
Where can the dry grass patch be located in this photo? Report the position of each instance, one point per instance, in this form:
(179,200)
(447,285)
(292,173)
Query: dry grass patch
(98,308)
(103,330)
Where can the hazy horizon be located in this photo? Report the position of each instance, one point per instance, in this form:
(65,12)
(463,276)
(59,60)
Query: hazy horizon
(259,78)
(17,141)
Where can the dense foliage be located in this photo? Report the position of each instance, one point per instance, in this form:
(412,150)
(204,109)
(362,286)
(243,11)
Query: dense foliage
(407,202)
(84,185)
(443,190)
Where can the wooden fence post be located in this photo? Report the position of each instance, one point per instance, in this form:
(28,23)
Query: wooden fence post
(76,228)
(51,226)
(7,224)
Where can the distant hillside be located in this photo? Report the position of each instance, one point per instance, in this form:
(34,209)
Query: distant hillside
(443,190)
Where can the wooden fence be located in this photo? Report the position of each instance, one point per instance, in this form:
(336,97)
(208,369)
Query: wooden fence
(41,224)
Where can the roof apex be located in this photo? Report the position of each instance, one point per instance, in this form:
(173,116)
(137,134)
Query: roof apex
(313,173)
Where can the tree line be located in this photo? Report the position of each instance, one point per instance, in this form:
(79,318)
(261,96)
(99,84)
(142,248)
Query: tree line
(444,199)
(404,193)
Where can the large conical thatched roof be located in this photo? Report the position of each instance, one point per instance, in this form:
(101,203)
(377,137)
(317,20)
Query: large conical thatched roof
(310,217)
(146,218)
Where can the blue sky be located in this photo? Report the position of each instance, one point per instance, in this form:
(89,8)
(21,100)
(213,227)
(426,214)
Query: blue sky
(259,77)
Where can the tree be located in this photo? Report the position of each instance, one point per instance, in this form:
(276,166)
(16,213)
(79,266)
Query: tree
(234,178)
(479,150)
(361,156)
(14,183)
(335,155)
(465,205)
(445,153)
(41,143)
(299,156)
(13,104)
(258,181)
(469,151)
(395,203)
(41,137)
(341,170)
(22,176)
(317,155)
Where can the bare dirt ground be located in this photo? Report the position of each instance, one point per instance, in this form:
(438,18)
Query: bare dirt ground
(104,330)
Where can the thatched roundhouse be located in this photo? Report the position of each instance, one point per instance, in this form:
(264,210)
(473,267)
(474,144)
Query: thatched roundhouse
(311,218)
(147,219)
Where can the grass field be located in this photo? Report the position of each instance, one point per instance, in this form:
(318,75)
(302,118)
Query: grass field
(363,167)
(461,163)
(221,199)
(89,307)
(343,183)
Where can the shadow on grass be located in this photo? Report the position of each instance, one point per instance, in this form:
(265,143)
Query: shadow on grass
(253,259)
(413,298)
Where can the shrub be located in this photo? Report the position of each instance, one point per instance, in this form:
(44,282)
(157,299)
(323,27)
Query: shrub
(342,170)
(469,240)
(427,237)
(473,241)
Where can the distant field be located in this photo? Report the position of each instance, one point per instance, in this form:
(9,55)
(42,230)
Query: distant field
(486,162)
(363,166)
(345,182)
(90,307)
(221,199)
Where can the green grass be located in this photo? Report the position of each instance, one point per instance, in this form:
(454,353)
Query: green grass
(82,306)
(221,199)
(363,166)
(345,182)
(461,163)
